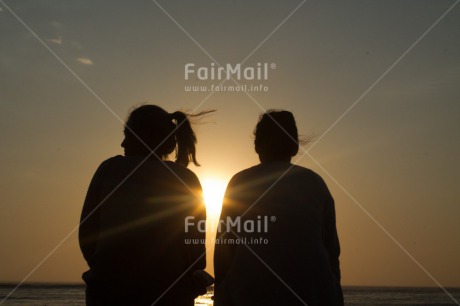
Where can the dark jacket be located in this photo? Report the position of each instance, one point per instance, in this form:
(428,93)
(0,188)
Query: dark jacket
(296,261)
(132,232)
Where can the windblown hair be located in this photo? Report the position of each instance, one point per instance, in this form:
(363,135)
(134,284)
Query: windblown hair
(276,134)
(163,133)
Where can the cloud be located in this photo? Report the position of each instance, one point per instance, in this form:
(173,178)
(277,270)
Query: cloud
(85,61)
(57,41)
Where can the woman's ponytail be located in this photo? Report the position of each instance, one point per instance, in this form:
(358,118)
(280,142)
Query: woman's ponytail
(150,128)
(185,138)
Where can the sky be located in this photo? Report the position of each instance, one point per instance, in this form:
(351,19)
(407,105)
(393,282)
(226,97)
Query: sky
(372,84)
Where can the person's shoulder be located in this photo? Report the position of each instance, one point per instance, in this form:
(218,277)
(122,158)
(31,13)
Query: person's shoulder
(304,171)
(113,159)
(293,169)
(183,172)
(247,173)
(110,161)
(104,167)
(311,178)
(307,173)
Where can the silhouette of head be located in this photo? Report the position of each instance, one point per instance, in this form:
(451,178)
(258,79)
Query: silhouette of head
(276,137)
(150,128)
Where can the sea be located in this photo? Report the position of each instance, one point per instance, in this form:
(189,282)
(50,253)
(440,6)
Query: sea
(60,294)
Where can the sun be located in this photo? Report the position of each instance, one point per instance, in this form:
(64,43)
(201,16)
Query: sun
(213,193)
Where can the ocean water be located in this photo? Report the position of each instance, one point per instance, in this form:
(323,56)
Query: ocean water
(53,295)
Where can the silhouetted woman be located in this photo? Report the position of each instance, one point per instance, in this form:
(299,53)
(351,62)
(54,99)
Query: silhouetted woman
(293,257)
(132,225)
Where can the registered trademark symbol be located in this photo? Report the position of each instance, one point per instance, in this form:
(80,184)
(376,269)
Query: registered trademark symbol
(273,66)
(273,218)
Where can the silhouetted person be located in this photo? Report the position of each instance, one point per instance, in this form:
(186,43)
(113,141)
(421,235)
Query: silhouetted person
(132,225)
(297,260)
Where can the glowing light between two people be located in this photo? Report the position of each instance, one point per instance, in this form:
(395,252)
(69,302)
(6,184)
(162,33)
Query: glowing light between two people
(213,193)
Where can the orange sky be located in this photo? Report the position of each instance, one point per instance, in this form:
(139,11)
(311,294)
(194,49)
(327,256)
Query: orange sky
(394,154)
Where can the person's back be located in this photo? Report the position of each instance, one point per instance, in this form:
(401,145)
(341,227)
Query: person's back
(140,248)
(132,230)
(292,258)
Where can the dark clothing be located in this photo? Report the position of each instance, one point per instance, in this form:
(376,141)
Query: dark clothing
(297,261)
(134,241)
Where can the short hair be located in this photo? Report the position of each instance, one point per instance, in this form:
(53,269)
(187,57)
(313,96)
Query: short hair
(276,134)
